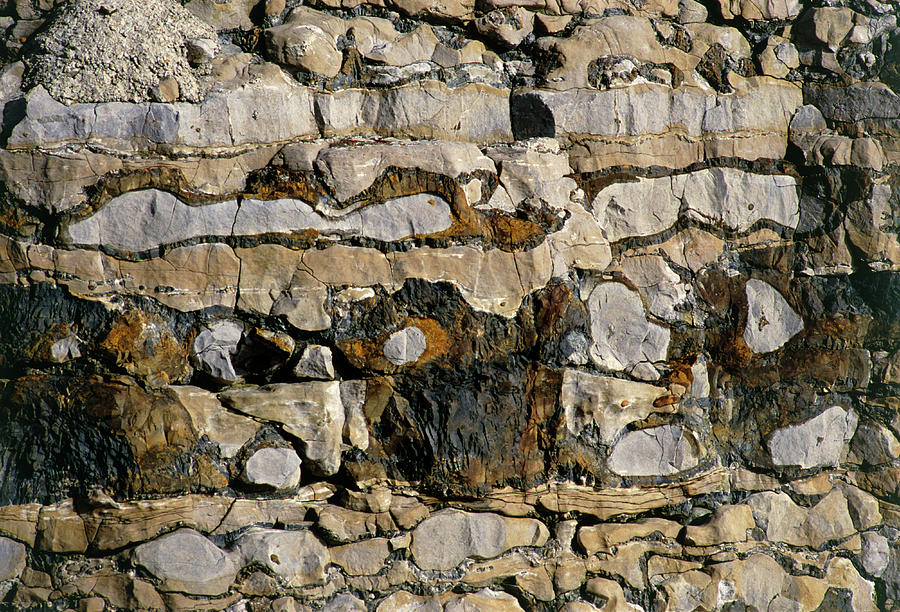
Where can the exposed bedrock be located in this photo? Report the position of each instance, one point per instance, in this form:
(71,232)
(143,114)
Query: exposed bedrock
(393,305)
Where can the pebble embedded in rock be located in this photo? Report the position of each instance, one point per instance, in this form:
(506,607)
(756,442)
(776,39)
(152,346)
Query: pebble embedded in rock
(477,535)
(274,468)
(187,562)
(12,558)
(214,347)
(405,346)
(817,442)
(315,362)
(771,321)
(296,557)
(658,451)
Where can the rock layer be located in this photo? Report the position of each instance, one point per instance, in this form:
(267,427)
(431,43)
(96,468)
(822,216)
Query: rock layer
(410,305)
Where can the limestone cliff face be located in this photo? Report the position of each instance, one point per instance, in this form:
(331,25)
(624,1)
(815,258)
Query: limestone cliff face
(439,305)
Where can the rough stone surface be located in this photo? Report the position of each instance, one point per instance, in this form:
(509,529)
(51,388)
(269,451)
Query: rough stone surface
(213,348)
(817,442)
(275,468)
(296,557)
(479,536)
(405,346)
(12,558)
(770,319)
(187,562)
(310,411)
(349,304)
(658,451)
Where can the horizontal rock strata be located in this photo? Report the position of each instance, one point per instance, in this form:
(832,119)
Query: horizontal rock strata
(357,305)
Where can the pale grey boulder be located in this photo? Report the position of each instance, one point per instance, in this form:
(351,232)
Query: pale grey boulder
(297,558)
(771,321)
(315,362)
(405,346)
(462,535)
(623,337)
(149,218)
(213,348)
(187,562)
(272,468)
(12,558)
(875,553)
(657,451)
(817,442)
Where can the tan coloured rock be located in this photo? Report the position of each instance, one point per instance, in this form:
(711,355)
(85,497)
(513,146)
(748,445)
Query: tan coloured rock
(61,529)
(509,26)
(361,558)
(660,568)
(830,25)
(227,429)
(784,521)
(342,525)
(408,512)
(304,46)
(20,522)
(603,537)
(536,582)
(728,524)
(771,9)
(626,561)
(311,411)
(242,513)
(139,521)
(475,535)
(612,592)
(605,403)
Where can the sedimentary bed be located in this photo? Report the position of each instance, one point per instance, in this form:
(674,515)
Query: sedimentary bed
(435,305)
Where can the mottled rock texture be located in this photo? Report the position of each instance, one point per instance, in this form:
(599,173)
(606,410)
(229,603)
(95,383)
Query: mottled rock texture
(383,305)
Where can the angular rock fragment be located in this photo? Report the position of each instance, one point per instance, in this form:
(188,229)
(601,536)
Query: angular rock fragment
(623,337)
(771,321)
(817,442)
(12,559)
(214,347)
(315,362)
(310,411)
(405,346)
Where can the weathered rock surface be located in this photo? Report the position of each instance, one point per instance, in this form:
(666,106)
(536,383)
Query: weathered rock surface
(188,562)
(480,536)
(275,468)
(820,441)
(348,305)
(770,319)
(296,557)
(657,451)
(310,411)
